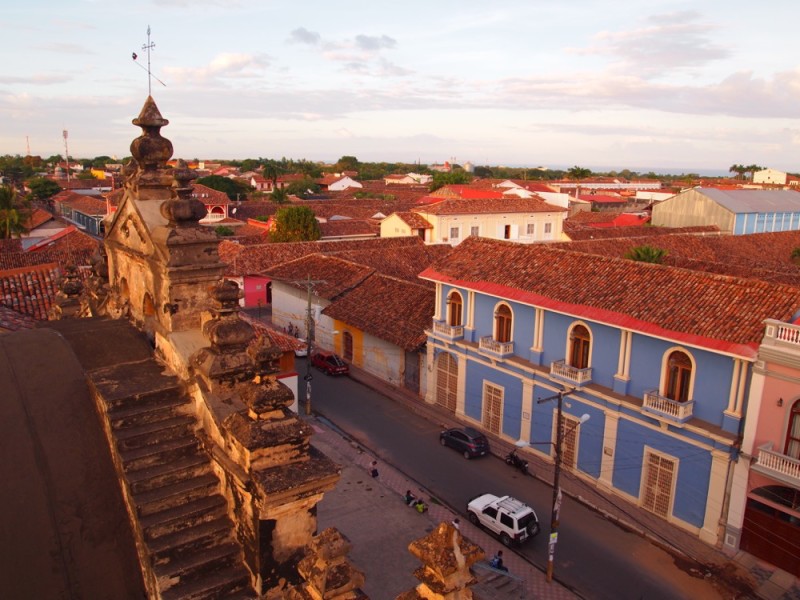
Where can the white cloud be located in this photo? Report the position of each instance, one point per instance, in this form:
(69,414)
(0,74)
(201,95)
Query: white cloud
(223,66)
(302,35)
(668,42)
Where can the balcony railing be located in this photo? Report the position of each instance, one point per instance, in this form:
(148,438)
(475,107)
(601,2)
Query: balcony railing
(454,332)
(213,217)
(574,375)
(662,406)
(777,465)
(779,333)
(489,344)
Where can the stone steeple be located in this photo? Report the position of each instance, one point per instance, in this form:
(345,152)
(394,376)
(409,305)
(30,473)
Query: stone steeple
(161,260)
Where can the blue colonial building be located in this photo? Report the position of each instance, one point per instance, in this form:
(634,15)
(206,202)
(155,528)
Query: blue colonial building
(658,357)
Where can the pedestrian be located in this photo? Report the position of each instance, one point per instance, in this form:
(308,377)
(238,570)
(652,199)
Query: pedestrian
(457,523)
(374,468)
(497,562)
(409,497)
(421,506)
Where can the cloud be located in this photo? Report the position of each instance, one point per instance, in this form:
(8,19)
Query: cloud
(64,48)
(223,66)
(301,35)
(373,43)
(35,79)
(674,41)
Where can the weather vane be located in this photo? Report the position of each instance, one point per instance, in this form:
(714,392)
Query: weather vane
(148,47)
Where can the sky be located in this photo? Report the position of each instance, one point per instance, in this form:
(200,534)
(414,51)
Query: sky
(606,85)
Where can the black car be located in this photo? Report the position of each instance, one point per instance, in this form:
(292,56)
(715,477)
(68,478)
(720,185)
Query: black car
(470,442)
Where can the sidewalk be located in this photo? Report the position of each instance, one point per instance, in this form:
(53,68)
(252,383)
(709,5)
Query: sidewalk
(359,501)
(739,574)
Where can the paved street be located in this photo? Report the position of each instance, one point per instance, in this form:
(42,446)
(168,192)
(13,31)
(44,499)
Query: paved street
(595,558)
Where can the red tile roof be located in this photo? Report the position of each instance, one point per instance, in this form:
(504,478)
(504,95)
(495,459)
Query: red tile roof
(30,290)
(35,218)
(87,205)
(209,196)
(414,220)
(11,320)
(343,228)
(69,239)
(255,259)
(390,309)
(334,275)
(702,309)
(458,206)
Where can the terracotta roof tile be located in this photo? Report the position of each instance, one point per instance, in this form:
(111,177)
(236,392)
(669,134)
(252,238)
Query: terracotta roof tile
(11,320)
(208,195)
(335,275)
(390,309)
(30,290)
(349,227)
(725,313)
(458,206)
(414,220)
(87,205)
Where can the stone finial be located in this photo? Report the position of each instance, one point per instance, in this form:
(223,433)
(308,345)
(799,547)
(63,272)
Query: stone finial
(327,571)
(67,301)
(184,210)
(227,360)
(446,558)
(150,149)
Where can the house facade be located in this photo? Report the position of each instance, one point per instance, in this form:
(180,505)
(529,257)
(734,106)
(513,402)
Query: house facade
(86,212)
(452,220)
(735,212)
(764,516)
(665,388)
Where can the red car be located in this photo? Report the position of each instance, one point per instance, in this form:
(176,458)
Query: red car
(330,363)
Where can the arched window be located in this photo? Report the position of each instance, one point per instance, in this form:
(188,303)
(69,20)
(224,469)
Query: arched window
(502,323)
(679,376)
(455,310)
(793,435)
(580,342)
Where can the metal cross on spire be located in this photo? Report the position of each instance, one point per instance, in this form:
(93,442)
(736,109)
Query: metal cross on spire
(148,47)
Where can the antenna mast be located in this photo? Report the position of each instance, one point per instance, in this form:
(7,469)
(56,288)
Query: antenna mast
(66,152)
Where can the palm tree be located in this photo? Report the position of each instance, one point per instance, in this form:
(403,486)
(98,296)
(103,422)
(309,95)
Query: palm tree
(648,254)
(10,220)
(738,169)
(752,170)
(272,170)
(280,196)
(577,172)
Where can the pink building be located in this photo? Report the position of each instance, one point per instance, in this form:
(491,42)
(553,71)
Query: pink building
(764,513)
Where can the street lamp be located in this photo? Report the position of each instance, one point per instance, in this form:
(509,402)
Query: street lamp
(554,513)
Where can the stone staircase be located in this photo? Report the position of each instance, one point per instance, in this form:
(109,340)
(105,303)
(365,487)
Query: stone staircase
(183,521)
(494,584)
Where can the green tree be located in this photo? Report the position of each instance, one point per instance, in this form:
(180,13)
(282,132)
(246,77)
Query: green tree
(236,190)
(279,196)
(752,170)
(303,188)
(223,230)
(738,169)
(648,254)
(272,170)
(795,256)
(42,188)
(347,163)
(87,174)
(578,173)
(295,224)
(10,219)
(452,178)
(249,164)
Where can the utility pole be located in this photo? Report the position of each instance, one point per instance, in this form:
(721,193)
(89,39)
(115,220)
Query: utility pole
(309,283)
(557,496)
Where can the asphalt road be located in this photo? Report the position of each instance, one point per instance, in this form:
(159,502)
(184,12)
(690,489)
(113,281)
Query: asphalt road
(594,557)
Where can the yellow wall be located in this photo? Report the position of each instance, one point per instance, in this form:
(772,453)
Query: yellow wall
(358,342)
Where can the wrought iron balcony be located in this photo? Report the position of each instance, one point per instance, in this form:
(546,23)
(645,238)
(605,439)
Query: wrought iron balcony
(492,346)
(570,374)
(662,406)
(778,466)
(453,332)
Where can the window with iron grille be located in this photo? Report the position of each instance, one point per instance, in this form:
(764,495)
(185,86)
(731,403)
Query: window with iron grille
(446,381)
(492,407)
(659,475)
(569,441)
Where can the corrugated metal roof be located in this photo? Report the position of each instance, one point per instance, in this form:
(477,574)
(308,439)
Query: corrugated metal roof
(754,201)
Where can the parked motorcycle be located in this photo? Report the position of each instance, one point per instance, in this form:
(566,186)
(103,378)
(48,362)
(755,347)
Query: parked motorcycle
(514,460)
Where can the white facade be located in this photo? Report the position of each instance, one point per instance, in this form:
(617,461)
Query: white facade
(343,184)
(290,306)
(770,176)
(527,228)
